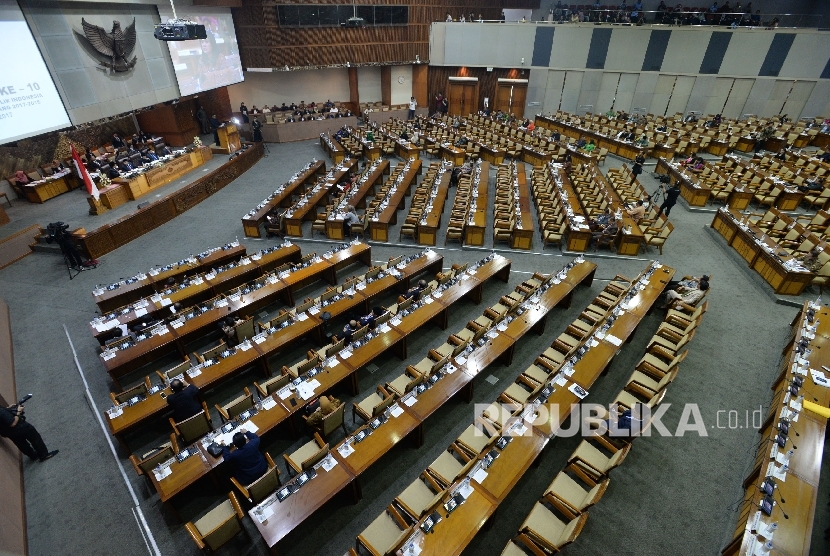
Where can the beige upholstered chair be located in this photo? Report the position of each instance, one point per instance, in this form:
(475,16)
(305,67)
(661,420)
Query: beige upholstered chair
(568,495)
(145,464)
(218,526)
(594,463)
(421,496)
(233,409)
(548,531)
(373,405)
(451,464)
(137,390)
(272,385)
(385,534)
(193,428)
(307,456)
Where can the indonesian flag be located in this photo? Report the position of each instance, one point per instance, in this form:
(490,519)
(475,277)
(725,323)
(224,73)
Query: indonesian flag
(91,188)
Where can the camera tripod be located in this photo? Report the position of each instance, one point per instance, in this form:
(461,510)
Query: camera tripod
(69,268)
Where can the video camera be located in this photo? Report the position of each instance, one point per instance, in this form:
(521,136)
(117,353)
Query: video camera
(57,231)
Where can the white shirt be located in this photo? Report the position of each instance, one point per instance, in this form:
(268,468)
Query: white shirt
(412,104)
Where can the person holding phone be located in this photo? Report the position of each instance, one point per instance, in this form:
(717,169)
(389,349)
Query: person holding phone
(13,425)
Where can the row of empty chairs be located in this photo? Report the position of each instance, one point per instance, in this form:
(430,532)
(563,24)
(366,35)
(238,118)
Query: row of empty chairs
(422,198)
(558,518)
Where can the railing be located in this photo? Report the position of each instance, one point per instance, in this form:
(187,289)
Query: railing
(673,18)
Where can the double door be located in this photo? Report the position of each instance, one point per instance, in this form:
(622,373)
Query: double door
(510,98)
(463,97)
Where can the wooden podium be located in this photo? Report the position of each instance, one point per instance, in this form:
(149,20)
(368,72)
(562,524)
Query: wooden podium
(229,140)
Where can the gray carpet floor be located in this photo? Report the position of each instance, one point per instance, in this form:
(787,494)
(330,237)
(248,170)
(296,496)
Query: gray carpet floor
(671,495)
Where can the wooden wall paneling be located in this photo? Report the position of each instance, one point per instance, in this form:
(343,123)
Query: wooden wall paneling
(354,95)
(438,76)
(386,85)
(420,86)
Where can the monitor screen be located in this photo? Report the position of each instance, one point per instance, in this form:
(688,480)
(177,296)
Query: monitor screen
(29,102)
(201,65)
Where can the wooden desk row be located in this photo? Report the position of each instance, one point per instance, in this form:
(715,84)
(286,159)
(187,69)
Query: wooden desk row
(356,197)
(624,149)
(789,198)
(529,431)
(197,288)
(795,473)
(430,221)
(332,147)
(51,186)
(320,195)
(392,200)
(169,336)
(118,294)
(755,249)
(557,179)
(413,410)
(343,366)
(521,235)
(476,220)
(283,196)
(630,237)
(427,263)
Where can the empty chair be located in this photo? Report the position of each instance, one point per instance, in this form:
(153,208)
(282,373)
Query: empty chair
(474,440)
(385,534)
(590,460)
(451,464)
(568,494)
(145,464)
(193,428)
(139,389)
(233,409)
(218,526)
(543,527)
(308,455)
(421,496)
(272,385)
(373,405)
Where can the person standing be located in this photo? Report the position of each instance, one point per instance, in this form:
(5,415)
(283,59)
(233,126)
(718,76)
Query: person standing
(13,425)
(672,193)
(412,106)
(202,116)
(257,127)
(214,125)
(636,170)
(244,111)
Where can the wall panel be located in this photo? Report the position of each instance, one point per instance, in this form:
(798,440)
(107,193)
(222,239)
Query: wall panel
(570,93)
(292,86)
(737,98)
(607,92)
(819,102)
(627,49)
(644,91)
(807,53)
(758,95)
(553,91)
(570,47)
(589,93)
(662,94)
(798,97)
(625,91)
(681,93)
(368,84)
(744,55)
(685,51)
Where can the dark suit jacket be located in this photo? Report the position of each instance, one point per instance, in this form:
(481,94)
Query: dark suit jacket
(247,462)
(185,403)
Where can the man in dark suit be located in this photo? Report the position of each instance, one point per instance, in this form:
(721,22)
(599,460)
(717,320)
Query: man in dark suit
(214,125)
(124,165)
(184,401)
(247,463)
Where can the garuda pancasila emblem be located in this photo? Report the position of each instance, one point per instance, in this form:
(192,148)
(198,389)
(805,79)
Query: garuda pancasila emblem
(117,46)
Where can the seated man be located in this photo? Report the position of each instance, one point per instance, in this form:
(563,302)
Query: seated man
(687,283)
(371,317)
(148,156)
(688,298)
(184,401)
(247,463)
(229,328)
(351,327)
(113,173)
(637,212)
(600,221)
(415,291)
(610,230)
(124,165)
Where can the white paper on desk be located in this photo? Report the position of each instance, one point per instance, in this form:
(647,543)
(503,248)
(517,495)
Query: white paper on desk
(267,512)
(178,323)
(284,393)
(115,411)
(221,303)
(777,473)
(345,449)
(194,372)
(410,401)
(106,356)
(268,403)
(360,286)
(803,362)
(556,281)
(795,405)
(155,298)
(243,262)
(259,338)
(140,312)
(271,279)
(313,310)
(210,276)
(235,297)
(782,458)
(613,339)
(301,317)
(248,426)
(328,463)
(345,354)
(502,326)
(244,346)
(305,390)
(594,342)
(561,380)
(461,360)
(449,368)
(160,331)
(166,301)
(437,294)
(326,255)
(578,391)
(395,410)
(428,300)
(395,321)
(492,333)
(162,473)
(384,328)
(480,475)
(799,370)
(756,520)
